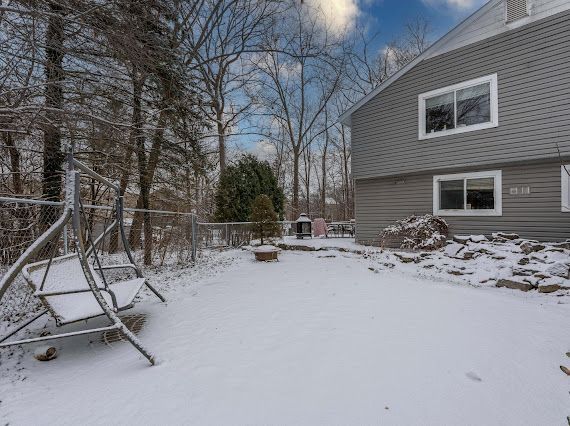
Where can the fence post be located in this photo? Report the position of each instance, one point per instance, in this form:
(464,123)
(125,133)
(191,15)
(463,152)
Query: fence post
(194,237)
(227,236)
(65,243)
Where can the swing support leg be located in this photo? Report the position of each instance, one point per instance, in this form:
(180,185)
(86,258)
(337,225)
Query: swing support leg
(38,316)
(83,260)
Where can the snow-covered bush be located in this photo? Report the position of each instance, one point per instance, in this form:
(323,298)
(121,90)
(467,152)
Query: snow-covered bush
(427,232)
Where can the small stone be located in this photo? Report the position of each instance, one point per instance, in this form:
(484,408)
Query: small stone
(524,261)
(515,285)
(563,245)
(478,238)
(559,269)
(505,235)
(453,250)
(45,353)
(524,272)
(566,370)
(548,288)
(405,258)
(542,275)
(568,354)
(497,257)
(459,272)
(554,250)
(461,239)
(499,240)
(526,247)
(483,250)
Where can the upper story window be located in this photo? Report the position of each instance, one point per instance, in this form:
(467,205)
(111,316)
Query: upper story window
(464,107)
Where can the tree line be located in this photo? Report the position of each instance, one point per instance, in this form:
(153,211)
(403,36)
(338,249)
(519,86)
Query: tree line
(157,94)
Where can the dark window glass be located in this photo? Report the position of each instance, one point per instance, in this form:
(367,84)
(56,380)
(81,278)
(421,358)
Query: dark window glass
(451,194)
(474,105)
(481,194)
(440,113)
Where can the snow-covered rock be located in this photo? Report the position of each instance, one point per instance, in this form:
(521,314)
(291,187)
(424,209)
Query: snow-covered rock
(504,236)
(527,247)
(515,285)
(464,239)
(559,269)
(266,249)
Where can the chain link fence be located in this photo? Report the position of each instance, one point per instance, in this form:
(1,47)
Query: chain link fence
(232,234)
(174,234)
(176,239)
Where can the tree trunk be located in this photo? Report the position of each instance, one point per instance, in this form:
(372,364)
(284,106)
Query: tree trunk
(144,185)
(295,203)
(324,183)
(136,228)
(221,140)
(124,181)
(14,163)
(52,155)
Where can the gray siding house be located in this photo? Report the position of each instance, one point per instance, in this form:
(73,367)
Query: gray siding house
(471,129)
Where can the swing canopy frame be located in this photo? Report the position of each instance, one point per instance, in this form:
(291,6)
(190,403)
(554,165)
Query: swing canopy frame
(74,287)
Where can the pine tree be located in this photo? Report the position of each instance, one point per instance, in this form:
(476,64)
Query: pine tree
(240,184)
(265,218)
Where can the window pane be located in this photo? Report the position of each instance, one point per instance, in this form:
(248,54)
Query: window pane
(440,113)
(451,194)
(474,105)
(481,194)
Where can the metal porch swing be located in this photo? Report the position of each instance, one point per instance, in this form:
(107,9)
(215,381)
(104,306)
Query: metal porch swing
(70,288)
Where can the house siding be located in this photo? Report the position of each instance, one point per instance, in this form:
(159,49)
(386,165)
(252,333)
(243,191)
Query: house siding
(493,22)
(382,201)
(534,98)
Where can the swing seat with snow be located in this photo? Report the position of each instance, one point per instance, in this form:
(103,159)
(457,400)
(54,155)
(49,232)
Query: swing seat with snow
(70,288)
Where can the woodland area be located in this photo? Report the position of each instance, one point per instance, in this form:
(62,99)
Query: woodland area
(154,93)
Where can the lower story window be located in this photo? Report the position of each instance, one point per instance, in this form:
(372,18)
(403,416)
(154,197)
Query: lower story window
(468,194)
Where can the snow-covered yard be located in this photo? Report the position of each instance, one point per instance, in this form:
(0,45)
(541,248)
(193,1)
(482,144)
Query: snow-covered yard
(320,337)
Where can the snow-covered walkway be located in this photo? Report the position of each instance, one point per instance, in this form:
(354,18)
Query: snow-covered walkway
(316,338)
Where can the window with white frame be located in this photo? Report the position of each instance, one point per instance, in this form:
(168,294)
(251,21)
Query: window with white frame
(468,194)
(565,185)
(472,105)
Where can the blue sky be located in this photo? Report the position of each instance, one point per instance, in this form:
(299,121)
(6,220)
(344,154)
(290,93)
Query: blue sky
(389,16)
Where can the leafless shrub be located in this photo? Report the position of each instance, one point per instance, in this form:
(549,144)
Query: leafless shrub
(425,232)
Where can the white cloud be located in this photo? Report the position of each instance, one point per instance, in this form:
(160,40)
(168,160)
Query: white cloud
(264,150)
(340,15)
(455,4)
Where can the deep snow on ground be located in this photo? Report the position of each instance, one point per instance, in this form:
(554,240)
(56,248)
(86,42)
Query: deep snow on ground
(316,338)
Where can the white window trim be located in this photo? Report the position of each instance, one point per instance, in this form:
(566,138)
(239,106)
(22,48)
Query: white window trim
(498,192)
(492,79)
(565,188)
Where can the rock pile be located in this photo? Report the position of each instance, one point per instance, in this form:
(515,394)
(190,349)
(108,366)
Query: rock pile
(506,260)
